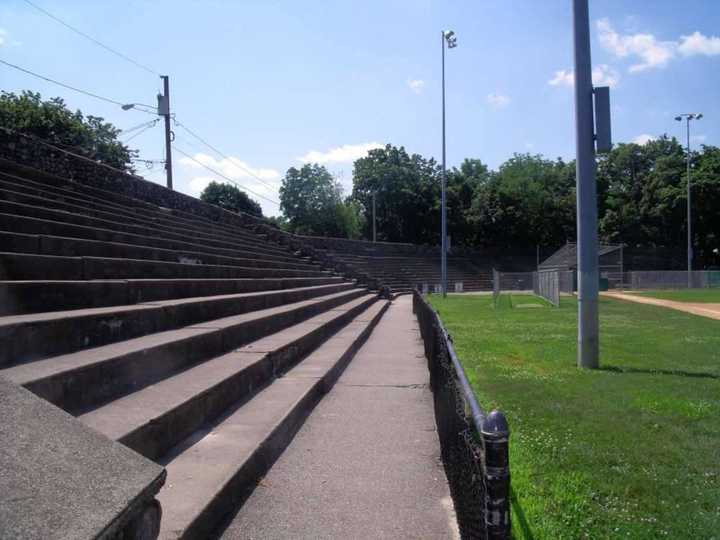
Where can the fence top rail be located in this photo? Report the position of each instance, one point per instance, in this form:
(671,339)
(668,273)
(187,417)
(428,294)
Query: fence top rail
(495,422)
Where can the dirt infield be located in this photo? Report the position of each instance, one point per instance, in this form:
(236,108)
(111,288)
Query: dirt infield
(711,311)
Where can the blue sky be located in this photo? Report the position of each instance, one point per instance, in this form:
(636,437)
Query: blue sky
(273,83)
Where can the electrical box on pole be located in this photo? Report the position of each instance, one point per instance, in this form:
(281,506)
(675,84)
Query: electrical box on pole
(603,134)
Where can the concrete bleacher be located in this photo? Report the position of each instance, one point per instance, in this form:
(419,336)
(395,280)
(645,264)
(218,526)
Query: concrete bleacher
(199,343)
(404,267)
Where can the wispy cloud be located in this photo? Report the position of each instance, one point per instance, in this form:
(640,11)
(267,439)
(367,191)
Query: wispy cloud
(652,52)
(5,39)
(416,85)
(696,43)
(233,168)
(644,139)
(498,101)
(602,75)
(340,154)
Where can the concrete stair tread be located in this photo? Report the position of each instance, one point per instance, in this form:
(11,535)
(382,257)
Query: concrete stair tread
(48,367)
(120,417)
(34,225)
(213,463)
(76,216)
(100,210)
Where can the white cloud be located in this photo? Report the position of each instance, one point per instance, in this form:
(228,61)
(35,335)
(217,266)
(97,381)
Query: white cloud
(697,43)
(563,77)
(416,85)
(233,167)
(498,100)
(602,75)
(197,184)
(651,52)
(698,138)
(340,154)
(3,37)
(644,139)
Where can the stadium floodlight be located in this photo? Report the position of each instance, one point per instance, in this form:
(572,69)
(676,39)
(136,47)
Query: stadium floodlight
(687,117)
(449,38)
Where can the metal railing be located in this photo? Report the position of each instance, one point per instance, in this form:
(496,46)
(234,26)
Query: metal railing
(474,444)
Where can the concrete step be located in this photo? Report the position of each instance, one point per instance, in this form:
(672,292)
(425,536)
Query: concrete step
(38,335)
(74,191)
(156,418)
(46,200)
(90,377)
(20,266)
(34,226)
(74,247)
(213,470)
(61,216)
(20,297)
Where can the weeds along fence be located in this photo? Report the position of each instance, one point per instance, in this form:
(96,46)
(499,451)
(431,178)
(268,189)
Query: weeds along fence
(474,444)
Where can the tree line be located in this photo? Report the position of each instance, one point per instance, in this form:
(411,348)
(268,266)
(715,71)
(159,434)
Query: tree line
(528,201)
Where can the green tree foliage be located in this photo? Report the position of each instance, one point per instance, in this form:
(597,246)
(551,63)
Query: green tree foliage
(646,199)
(231,198)
(407,189)
(53,122)
(311,201)
(528,201)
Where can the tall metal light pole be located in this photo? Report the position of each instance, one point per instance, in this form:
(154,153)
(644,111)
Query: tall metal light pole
(679,118)
(587,244)
(451,40)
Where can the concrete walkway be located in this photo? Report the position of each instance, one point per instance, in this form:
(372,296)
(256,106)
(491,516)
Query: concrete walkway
(709,310)
(366,464)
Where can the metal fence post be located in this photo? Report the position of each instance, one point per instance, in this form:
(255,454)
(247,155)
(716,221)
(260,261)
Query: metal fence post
(496,437)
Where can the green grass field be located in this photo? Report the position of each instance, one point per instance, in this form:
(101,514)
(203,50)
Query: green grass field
(689,295)
(628,451)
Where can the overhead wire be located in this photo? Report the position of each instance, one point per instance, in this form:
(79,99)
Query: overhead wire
(80,90)
(139,132)
(223,176)
(95,41)
(232,161)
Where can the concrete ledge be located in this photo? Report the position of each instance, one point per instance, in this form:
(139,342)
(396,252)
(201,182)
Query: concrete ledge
(60,479)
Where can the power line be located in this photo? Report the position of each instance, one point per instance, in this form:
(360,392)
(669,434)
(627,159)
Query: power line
(233,162)
(225,177)
(124,132)
(96,96)
(152,125)
(95,41)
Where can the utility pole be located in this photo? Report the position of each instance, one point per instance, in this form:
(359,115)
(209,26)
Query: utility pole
(587,240)
(451,43)
(688,117)
(374,228)
(164,110)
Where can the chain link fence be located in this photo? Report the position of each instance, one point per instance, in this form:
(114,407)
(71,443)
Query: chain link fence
(546,284)
(474,445)
(669,279)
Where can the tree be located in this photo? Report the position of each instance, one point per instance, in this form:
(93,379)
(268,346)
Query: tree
(231,198)
(52,121)
(407,191)
(529,201)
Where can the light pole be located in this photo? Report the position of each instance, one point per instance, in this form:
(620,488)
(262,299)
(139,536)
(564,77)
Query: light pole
(679,118)
(451,40)
(587,236)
